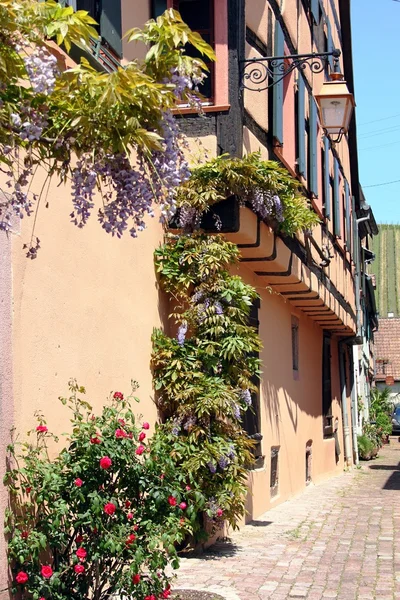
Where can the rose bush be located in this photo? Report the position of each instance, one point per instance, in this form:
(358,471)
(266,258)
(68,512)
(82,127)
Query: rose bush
(100,518)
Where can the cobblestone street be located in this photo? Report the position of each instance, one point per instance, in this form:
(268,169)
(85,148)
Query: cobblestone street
(338,540)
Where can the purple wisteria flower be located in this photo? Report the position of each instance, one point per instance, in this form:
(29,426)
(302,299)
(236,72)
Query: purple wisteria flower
(218,308)
(190,421)
(245,395)
(236,412)
(212,467)
(41,67)
(223,462)
(181,335)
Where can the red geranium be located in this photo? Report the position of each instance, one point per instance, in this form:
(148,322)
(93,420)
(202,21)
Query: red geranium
(140,449)
(78,482)
(46,571)
(118,396)
(22,577)
(95,440)
(79,569)
(41,429)
(142,436)
(105,462)
(172,500)
(109,508)
(136,579)
(120,433)
(146,426)
(81,553)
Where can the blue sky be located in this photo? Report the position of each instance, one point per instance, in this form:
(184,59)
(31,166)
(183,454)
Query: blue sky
(376,35)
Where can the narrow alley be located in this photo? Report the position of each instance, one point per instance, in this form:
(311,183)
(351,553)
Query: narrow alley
(336,540)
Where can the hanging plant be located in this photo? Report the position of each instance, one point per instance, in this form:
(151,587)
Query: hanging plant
(273,194)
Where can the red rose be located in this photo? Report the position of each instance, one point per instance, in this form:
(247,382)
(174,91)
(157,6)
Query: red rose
(152,597)
(135,527)
(219,512)
(140,449)
(46,571)
(81,553)
(142,436)
(79,569)
(127,503)
(121,422)
(120,433)
(79,539)
(25,535)
(21,577)
(172,500)
(188,488)
(183,505)
(105,462)
(166,593)
(95,440)
(129,516)
(109,508)
(118,396)
(28,490)
(146,426)
(136,579)
(78,482)
(130,435)
(131,538)
(41,429)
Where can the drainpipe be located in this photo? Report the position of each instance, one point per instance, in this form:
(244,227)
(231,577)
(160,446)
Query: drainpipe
(354,406)
(345,414)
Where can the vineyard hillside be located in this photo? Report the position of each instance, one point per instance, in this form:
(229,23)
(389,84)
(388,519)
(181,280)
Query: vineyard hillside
(386,268)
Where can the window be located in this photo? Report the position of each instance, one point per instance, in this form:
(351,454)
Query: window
(199,15)
(295,344)
(336,199)
(347,216)
(312,147)
(327,182)
(251,418)
(300,127)
(277,90)
(108,14)
(327,388)
(274,477)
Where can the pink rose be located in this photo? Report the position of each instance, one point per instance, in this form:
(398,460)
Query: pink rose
(21,577)
(81,553)
(109,508)
(41,429)
(172,500)
(219,512)
(142,436)
(152,597)
(129,516)
(188,488)
(145,426)
(166,593)
(183,505)
(118,396)
(46,571)
(139,450)
(120,433)
(78,482)
(131,538)
(105,462)
(121,422)
(95,440)
(79,569)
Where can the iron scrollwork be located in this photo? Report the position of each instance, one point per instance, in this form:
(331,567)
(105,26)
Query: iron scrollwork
(259,74)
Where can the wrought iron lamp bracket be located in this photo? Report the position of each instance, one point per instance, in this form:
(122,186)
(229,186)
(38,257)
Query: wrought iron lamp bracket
(258,74)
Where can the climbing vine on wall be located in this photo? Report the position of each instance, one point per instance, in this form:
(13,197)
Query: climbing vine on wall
(204,375)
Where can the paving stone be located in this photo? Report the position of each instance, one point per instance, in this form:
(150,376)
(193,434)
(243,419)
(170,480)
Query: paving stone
(348,546)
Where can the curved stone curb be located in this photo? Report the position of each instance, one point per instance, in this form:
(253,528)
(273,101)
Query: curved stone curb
(226,592)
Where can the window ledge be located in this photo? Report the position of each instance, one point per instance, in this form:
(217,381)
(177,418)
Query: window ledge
(187,110)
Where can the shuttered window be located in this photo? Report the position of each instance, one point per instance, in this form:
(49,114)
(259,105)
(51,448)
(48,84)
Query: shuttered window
(330,47)
(348,221)
(277,127)
(336,200)
(312,142)
(315,10)
(327,182)
(108,14)
(301,127)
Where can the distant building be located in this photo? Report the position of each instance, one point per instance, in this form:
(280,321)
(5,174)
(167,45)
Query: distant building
(387,356)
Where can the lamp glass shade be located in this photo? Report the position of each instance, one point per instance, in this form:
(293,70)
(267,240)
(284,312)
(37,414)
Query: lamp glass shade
(335,106)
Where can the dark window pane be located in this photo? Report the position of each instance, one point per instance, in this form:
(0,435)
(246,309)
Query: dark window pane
(158,7)
(196,13)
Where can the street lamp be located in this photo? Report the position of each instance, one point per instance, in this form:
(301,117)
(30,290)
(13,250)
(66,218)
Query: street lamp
(334,101)
(336,105)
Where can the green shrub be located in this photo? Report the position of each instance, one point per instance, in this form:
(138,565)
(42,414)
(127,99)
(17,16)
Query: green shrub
(365,447)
